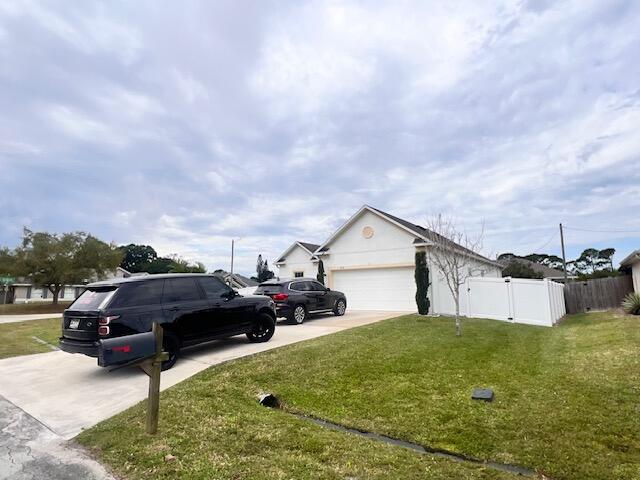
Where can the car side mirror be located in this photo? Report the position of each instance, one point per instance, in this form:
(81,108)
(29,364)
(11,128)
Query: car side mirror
(328,289)
(228,295)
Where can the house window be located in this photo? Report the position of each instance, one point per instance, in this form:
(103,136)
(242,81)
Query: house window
(298,274)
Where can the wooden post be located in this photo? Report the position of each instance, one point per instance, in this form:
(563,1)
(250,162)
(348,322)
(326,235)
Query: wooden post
(153,403)
(564,258)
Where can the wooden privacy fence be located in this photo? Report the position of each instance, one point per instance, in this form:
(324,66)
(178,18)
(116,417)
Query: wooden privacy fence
(598,294)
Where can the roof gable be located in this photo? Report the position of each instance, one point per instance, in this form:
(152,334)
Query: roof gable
(421,234)
(310,248)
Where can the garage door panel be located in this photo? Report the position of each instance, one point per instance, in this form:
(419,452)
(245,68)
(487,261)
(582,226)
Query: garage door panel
(377,288)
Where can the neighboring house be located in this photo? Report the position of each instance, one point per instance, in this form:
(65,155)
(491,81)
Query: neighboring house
(371,258)
(238,281)
(26,292)
(298,261)
(632,263)
(547,272)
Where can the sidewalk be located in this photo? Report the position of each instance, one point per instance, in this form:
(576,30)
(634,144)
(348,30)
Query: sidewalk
(30,450)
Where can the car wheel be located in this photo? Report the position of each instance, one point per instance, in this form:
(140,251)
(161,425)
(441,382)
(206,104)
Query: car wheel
(171,345)
(263,330)
(341,307)
(298,315)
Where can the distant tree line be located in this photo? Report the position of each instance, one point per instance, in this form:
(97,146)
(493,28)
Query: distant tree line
(592,263)
(143,258)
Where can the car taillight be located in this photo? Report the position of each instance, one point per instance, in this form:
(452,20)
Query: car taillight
(103,330)
(280,297)
(107,320)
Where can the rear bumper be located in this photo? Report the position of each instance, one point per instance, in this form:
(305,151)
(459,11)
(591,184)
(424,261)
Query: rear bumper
(78,346)
(283,310)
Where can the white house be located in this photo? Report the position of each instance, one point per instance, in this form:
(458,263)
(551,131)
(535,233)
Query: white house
(371,258)
(632,262)
(27,292)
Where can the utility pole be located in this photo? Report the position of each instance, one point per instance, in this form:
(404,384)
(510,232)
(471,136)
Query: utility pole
(564,259)
(231,277)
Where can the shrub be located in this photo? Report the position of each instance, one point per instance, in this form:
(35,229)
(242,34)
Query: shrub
(631,303)
(422,283)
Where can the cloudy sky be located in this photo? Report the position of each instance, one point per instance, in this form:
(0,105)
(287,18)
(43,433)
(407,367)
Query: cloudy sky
(186,124)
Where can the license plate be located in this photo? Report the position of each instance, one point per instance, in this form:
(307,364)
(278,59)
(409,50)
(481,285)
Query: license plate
(74,323)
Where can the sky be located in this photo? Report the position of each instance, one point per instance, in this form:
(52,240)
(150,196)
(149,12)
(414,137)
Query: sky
(184,125)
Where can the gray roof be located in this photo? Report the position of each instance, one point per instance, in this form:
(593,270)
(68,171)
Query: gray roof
(312,247)
(426,233)
(547,272)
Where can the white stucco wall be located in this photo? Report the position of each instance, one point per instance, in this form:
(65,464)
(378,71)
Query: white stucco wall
(635,273)
(389,245)
(297,260)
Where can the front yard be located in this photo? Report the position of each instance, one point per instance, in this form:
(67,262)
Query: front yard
(18,338)
(567,406)
(32,308)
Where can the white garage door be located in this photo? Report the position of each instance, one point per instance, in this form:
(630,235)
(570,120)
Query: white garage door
(378,288)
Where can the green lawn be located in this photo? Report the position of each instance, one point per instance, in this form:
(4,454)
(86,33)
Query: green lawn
(16,338)
(29,308)
(567,405)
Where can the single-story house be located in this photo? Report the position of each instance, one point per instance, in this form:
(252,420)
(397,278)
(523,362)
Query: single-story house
(25,291)
(371,258)
(547,272)
(237,281)
(632,263)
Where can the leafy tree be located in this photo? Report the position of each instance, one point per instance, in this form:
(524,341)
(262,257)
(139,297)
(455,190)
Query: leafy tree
(422,283)
(320,275)
(259,266)
(53,260)
(137,258)
(551,261)
(174,264)
(593,260)
(7,262)
(520,270)
(266,273)
(506,256)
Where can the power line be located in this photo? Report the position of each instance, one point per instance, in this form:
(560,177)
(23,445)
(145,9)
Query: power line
(554,235)
(601,231)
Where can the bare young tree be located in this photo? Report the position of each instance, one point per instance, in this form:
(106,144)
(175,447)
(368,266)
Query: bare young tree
(452,252)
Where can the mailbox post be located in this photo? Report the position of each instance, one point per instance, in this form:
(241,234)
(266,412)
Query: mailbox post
(145,351)
(153,403)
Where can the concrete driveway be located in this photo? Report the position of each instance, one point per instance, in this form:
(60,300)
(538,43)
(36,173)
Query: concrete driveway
(68,393)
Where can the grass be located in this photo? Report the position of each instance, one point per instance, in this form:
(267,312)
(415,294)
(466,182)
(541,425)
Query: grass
(32,308)
(16,338)
(567,405)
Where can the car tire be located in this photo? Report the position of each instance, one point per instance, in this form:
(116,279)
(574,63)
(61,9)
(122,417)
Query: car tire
(263,329)
(297,315)
(340,308)
(171,345)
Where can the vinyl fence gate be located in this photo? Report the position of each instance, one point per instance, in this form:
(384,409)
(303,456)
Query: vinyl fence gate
(518,300)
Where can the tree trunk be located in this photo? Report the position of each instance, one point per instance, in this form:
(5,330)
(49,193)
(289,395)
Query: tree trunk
(458,323)
(56,293)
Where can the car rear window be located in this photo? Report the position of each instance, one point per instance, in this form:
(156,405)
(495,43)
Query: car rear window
(137,294)
(92,299)
(268,289)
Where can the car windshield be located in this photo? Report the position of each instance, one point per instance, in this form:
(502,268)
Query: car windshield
(92,299)
(268,289)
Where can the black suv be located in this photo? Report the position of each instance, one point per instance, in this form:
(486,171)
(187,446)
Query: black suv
(191,308)
(300,296)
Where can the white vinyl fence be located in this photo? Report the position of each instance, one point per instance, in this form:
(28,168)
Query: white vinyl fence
(518,300)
